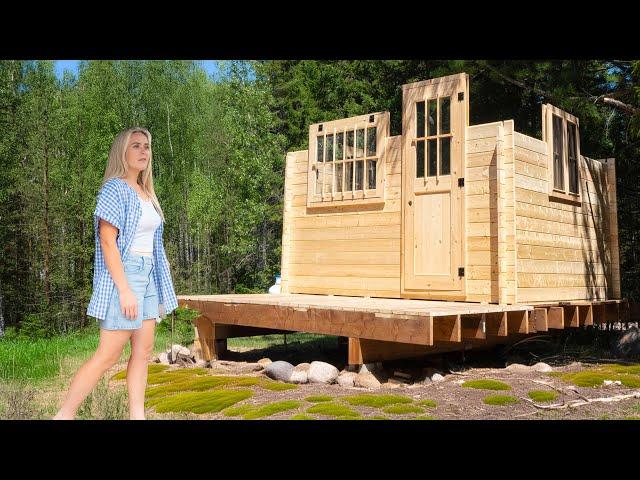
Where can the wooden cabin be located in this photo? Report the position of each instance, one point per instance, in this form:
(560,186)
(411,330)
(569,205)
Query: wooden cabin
(448,210)
(446,237)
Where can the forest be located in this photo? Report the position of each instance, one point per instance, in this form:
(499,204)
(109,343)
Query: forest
(218,158)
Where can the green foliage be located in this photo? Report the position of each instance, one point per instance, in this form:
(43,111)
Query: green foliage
(301,416)
(427,403)
(271,409)
(319,398)
(595,377)
(486,385)
(542,395)
(500,400)
(336,410)
(377,401)
(277,386)
(402,409)
(199,402)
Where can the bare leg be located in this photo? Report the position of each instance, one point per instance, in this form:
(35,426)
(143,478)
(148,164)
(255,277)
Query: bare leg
(142,341)
(107,354)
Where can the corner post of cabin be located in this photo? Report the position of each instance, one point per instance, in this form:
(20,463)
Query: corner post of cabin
(613,290)
(355,354)
(286,223)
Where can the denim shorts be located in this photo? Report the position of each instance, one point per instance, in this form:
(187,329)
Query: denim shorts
(139,272)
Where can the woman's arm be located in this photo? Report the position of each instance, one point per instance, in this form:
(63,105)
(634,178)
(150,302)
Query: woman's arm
(113,261)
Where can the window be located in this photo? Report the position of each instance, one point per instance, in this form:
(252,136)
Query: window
(346,160)
(560,130)
(433,143)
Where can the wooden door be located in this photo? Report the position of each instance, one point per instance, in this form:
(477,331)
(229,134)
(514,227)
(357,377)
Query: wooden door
(434,125)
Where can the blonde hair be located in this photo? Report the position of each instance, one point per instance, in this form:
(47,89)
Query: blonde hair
(117,166)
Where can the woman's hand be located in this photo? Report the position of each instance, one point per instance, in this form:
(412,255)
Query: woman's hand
(129,304)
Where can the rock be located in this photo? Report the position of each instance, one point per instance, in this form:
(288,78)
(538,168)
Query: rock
(437,378)
(279,370)
(202,364)
(541,367)
(264,362)
(163,358)
(518,368)
(368,367)
(300,373)
(390,384)
(574,365)
(322,372)
(255,367)
(627,344)
(427,380)
(366,380)
(347,379)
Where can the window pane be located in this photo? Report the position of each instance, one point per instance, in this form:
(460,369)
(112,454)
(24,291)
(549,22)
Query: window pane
(558,154)
(431,119)
(359,173)
(348,176)
(432,153)
(320,148)
(338,185)
(445,156)
(420,159)
(371,141)
(319,179)
(360,143)
(445,115)
(350,144)
(573,159)
(420,119)
(339,145)
(371,174)
(330,148)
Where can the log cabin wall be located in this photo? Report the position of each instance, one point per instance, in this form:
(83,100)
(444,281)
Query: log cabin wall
(565,251)
(490,213)
(349,250)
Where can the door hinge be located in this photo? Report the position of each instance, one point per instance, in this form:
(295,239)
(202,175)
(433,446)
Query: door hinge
(461,272)
(461,182)
(460,96)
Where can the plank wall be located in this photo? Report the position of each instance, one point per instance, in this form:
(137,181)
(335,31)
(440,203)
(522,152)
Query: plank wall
(564,250)
(489,203)
(342,250)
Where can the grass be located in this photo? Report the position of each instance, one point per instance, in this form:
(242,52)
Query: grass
(237,411)
(402,409)
(628,375)
(199,402)
(276,386)
(500,400)
(152,369)
(427,403)
(271,409)
(486,385)
(336,410)
(301,416)
(542,395)
(319,398)
(376,401)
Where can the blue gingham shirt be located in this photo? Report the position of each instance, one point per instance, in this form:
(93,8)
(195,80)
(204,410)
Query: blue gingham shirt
(119,204)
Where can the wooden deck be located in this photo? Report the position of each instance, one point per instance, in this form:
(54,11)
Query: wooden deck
(384,328)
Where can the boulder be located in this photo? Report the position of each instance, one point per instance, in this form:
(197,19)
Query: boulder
(322,372)
(347,379)
(628,343)
(300,373)
(541,367)
(163,358)
(368,367)
(366,380)
(518,368)
(264,362)
(436,377)
(279,370)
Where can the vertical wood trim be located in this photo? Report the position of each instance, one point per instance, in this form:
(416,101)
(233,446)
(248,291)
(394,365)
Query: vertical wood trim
(613,290)
(500,186)
(286,222)
(355,352)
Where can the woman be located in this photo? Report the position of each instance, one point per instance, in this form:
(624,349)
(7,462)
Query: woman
(131,278)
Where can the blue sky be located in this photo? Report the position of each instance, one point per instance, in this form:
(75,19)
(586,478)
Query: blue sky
(72,65)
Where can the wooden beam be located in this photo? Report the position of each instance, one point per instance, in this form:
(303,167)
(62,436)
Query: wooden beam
(599,314)
(539,316)
(586,315)
(496,325)
(355,352)
(555,317)
(473,327)
(612,312)
(571,318)
(518,322)
(205,328)
(447,329)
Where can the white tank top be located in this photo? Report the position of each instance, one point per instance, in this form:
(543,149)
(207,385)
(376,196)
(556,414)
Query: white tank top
(149,221)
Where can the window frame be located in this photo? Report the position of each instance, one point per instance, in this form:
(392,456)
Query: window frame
(364,196)
(548,113)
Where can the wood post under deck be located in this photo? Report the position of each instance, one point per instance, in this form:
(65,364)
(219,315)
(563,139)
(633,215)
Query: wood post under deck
(387,332)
